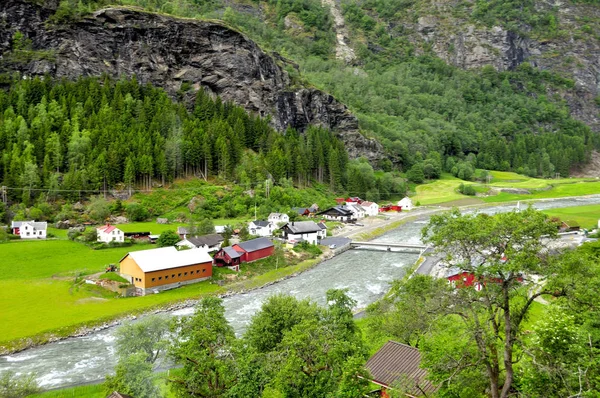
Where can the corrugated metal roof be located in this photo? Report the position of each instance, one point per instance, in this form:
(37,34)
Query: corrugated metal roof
(301,227)
(399,363)
(167,258)
(231,252)
(208,240)
(255,244)
(106,228)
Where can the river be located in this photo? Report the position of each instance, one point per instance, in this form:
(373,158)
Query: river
(365,273)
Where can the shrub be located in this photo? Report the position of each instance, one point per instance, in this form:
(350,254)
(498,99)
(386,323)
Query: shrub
(467,190)
(136,212)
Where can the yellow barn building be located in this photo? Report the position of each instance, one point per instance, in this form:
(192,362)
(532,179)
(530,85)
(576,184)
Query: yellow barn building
(165,268)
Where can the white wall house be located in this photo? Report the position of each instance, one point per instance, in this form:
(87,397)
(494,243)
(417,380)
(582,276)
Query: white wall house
(322,234)
(406,203)
(357,210)
(301,231)
(207,243)
(276,218)
(261,228)
(109,233)
(29,229)
(371,208)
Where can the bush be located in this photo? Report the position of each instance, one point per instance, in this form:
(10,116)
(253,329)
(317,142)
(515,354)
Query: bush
(467,190)
(167,238)
(136,212)
(73,234)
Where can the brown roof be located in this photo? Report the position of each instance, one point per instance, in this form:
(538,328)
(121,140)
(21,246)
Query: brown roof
(399,363)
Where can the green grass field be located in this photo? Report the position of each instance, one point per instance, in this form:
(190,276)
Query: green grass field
(586,216)
(445,189)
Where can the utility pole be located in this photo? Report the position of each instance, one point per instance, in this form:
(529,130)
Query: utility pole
(3,192)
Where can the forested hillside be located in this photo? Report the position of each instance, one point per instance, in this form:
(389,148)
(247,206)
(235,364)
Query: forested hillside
(66,137)
(408,94)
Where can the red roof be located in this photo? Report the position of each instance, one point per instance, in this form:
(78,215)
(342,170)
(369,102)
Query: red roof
(106,228)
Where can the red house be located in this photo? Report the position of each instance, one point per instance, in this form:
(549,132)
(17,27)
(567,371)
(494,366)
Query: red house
(354,199)
(244,252)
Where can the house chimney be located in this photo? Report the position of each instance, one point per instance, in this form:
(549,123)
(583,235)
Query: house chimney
(292,223)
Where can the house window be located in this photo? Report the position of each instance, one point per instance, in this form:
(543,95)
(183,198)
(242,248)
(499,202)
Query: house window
(114,238)
(179,275)
(153,279)
(173,276)
(203,270)
(167,277)
(160,278)
(40,233)
(27,233)
(185,274)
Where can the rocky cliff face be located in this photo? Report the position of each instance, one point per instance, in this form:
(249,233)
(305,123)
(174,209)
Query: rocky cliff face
(167,52)
(573,54)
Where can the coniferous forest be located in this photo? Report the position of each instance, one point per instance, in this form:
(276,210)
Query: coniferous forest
(96,134)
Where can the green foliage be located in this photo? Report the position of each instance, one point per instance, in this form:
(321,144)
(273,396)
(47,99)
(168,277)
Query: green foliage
(113,276)
(148,336)
(167,238)
(98,209)
(416,174)
(133,376)
(304,246)
(136,212)
(13,386)
(467,189)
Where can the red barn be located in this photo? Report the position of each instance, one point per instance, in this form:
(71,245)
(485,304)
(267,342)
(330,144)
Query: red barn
(254,249)
(228,257)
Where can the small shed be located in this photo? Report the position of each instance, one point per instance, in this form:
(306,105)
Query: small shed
(406,203)
(228,257)
(255,249)
(398,365)
(569,226)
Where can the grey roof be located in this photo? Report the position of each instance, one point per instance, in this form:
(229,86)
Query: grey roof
(399,363)
(260,223)
(255,244)
(300,210)
(301,227)
(36,224)
(231,252)
(338,209)
(322,225)
(208,240)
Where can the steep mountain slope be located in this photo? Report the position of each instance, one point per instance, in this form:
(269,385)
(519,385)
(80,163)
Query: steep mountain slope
(171,53)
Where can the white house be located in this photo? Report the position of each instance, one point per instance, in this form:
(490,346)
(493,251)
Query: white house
(276,218)
(406,203)
(29,229)
(301,231)
(322,234)
(261,228)
(208,243)
(371,208)
(357,210)
(109,233)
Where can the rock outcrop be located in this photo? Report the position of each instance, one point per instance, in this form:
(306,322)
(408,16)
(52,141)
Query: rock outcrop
(572,54)
(166,52)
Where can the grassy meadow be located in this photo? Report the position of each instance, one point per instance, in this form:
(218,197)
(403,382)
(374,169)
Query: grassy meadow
(586,216)
(445,190)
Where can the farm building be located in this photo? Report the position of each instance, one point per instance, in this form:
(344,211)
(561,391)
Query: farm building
(406,203)
(208,243)
(301,211)
(398,364)
(276,218)
(261,228)
(357,210)
(337,213)
(145,236)
(228,257)
(29,229)
(569,226)
(109,233)
(165,268)
(301,231)
(248,251)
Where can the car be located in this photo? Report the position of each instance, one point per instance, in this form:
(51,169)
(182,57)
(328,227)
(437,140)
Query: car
(332,246)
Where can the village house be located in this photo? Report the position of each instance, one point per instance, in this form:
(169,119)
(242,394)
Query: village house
(165,268)
(183,232)
(244,252)
(397,365)
(301,211)
(354,199)
(406,203)
(261,228)
(277,218)
(322,234)
(357,210)
(298,231)
(371,208)
(208,243)
(109,233)
(29,229)
(337,213)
